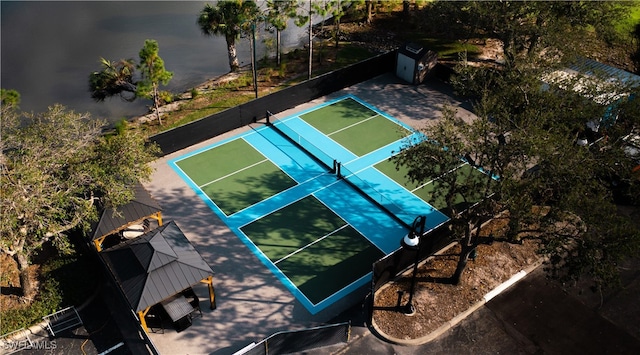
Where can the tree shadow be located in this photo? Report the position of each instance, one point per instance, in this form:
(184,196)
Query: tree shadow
(11,291)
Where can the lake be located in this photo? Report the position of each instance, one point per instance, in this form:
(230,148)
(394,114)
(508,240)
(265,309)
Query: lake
(49,48)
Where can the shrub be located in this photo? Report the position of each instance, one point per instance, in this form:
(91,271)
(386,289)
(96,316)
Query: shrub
(121,126)
(166,97)
(48,301)
(66,281)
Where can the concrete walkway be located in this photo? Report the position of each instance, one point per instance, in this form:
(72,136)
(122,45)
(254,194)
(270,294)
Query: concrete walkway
(252,303)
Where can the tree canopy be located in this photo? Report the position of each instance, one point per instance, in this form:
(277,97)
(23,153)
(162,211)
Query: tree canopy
(57,169)
(278,13)
(119,78)
(228,18)
(152,73)
(527,28)
(551,187)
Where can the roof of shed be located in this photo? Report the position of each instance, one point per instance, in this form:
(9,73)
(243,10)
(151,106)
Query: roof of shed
(111,220)
(591,67)
(155,266)
(412,50)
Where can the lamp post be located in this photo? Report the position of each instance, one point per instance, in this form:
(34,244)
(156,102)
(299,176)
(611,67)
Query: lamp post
(412,242)
(253,58)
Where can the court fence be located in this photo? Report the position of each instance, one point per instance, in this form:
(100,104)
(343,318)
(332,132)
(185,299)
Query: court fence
(235,117)
(296,341)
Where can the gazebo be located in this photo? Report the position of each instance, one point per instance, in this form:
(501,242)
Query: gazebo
(156,266)
(112,220)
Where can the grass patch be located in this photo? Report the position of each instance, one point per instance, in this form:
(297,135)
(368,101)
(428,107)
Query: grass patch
(271,77)
(448,49)
(627,26)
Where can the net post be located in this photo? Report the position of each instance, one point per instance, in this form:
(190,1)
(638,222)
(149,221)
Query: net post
(335,166)
(268,116)
(338,172)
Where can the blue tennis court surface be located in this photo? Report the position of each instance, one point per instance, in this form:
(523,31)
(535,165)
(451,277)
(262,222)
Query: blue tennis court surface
(304,181)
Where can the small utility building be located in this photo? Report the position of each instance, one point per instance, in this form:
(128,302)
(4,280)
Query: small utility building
(414,62)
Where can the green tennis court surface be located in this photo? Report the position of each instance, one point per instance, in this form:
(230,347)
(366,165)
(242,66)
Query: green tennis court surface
(355,126)
(431,192)
(235,175)
(315,248)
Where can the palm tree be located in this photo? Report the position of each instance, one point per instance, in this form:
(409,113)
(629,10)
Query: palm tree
(115,78)
(229,18)
(278,13)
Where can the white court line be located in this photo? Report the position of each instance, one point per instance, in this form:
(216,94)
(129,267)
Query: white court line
(233,173)
(355,124)
(448,172)
(312,243)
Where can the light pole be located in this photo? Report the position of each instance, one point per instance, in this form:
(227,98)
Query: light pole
(253,58)
(412,242)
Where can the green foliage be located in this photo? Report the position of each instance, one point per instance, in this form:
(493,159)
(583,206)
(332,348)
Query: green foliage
(152,74)
(66,280)
(115,79)
(194,93)
(48,301)
(9,98)
(529,29)
(228,18)
(278,12)
(57,170)
(566,200)
(166,97)
(121,126)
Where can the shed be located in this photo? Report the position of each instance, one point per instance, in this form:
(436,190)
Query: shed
(414,62)
(114,220)
(155,266)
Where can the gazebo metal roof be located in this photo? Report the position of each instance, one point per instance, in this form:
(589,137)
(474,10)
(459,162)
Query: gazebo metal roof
(155,266)
(113,220)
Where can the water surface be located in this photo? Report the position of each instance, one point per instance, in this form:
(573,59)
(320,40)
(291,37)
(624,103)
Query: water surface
(49,48)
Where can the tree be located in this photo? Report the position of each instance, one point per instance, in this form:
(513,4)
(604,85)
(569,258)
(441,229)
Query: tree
(551,188)
(153,74)
(528,28)
(278,14)
(337,13)
(464,193)
(119,78)
(228,18)
(10,98)
(302,18)
(56,169)
(115,79)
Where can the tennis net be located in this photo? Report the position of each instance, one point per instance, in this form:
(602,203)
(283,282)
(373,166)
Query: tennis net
(304,144)
(374,195)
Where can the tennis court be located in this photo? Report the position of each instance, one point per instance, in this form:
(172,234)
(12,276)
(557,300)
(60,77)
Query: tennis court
(313,195)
